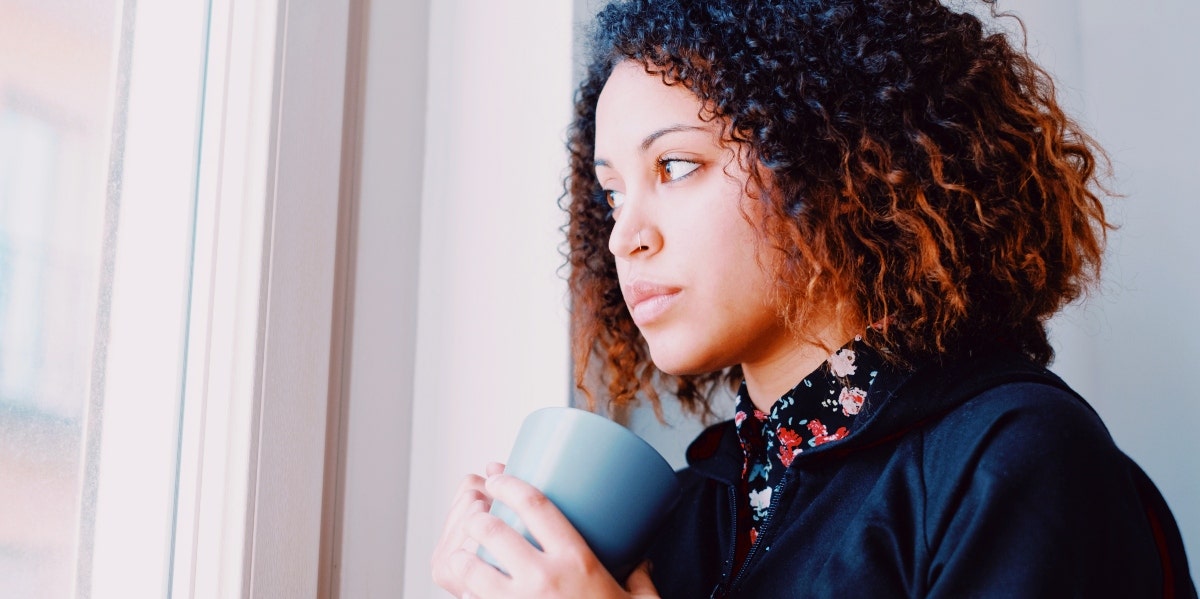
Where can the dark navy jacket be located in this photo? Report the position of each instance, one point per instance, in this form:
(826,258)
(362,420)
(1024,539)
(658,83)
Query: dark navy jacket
(985,478)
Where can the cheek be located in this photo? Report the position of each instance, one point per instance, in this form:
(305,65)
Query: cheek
(750,273)
(622,270)
(737,245)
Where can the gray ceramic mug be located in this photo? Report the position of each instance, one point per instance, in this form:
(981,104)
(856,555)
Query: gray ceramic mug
(612,486)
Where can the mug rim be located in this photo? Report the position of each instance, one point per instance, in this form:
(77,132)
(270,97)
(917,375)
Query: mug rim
(609,423)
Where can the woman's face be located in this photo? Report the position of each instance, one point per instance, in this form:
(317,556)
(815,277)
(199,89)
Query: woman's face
(685,252)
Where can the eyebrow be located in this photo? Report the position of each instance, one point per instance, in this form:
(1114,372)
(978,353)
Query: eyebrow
(649,139)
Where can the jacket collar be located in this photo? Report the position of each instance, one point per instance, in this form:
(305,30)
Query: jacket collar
(907,400)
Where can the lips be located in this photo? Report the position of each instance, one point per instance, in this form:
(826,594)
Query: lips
(648,300)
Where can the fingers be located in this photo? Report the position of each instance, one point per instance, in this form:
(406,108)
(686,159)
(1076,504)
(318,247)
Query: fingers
(545,522)
(506,544)
(471,498)
(475,576)
(639,584)
(493,468)
(567,567)
(471,489)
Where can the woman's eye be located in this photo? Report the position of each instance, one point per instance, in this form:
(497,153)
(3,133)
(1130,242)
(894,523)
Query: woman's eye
(673,169)
(615,198)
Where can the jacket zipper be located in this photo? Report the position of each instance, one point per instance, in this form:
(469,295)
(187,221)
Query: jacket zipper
(727,570)
(721,590)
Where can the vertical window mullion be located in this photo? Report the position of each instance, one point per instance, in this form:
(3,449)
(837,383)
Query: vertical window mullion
(136,449)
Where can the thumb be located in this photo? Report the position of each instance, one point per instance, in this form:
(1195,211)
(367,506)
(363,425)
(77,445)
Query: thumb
(639,584)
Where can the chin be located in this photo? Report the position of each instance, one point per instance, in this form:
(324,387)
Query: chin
(682,363)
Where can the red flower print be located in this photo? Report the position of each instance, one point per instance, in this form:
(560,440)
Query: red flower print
(753,536)
(788,437)
(821,434)
(739,418)
(786,454)
(789,445)
(816,428)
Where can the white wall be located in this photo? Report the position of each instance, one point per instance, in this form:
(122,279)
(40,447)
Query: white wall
(457,320)
(492,333)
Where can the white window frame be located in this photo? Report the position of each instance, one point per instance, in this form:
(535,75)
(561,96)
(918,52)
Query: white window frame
(261,351)
(133,416)
(317,231)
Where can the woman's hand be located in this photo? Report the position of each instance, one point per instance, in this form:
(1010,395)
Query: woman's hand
(471,499)
(565,568)
(639,584)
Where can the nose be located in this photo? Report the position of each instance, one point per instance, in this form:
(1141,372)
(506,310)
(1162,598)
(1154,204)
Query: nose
(633,234)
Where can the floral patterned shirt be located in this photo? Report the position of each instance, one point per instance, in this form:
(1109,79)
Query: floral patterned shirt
(819,410)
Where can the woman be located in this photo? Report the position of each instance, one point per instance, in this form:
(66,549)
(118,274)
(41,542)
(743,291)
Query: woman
(861,214)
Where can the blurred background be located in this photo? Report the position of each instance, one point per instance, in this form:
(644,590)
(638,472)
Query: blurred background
(274,276)
(56,79)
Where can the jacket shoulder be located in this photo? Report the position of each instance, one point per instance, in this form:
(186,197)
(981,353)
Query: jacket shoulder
(1030,414)
(1021,470)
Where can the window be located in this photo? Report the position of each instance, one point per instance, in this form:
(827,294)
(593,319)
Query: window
(56,76)
(99,128)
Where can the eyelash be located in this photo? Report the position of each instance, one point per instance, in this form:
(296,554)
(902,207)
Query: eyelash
(660,166)
(604,196)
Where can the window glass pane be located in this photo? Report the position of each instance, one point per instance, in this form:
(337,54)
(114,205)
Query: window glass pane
(56,77)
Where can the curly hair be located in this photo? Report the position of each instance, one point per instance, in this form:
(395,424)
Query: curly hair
(918,165)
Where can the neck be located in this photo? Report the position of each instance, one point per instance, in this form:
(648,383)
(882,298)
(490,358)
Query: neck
(767,379)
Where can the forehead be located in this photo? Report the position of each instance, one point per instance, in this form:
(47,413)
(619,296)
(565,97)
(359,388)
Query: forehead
(635,103)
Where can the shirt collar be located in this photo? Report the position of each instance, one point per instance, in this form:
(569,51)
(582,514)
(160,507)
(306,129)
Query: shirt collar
(820,409)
